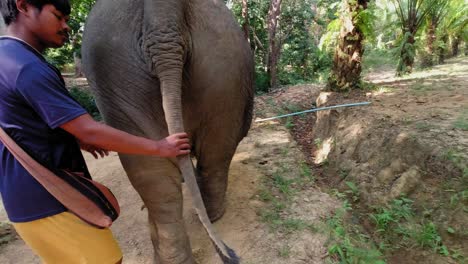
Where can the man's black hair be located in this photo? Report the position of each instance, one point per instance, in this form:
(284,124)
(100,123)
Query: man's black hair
(10,12)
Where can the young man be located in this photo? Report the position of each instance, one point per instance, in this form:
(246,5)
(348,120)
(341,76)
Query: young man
(38,113)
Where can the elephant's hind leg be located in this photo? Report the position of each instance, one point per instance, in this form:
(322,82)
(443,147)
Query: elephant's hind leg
(213,160)
(157,180)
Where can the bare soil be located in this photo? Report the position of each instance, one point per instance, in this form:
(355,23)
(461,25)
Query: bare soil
(258,156)
(411,125)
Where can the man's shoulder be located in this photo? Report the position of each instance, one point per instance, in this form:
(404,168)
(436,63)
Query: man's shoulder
(16,54)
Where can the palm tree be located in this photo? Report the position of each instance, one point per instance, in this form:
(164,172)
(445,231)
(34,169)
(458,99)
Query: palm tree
(411,14)
(453,26)
(438,11)
(346,70)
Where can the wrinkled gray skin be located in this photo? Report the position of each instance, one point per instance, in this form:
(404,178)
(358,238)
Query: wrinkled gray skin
(159,67)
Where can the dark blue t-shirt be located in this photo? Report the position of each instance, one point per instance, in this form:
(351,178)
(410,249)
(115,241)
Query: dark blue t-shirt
(34,103)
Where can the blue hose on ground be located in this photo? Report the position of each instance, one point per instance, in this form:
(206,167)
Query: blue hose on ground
(314,110)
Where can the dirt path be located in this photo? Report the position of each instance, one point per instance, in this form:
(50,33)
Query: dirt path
(240,227)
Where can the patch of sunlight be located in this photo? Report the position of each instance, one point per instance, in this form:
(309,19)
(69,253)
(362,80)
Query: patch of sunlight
(401,137)
(422,75)
(353,131)
(274,138)
(323,98)
(382,78)
(241,156)
(322,153)
(268,123)
(381,90)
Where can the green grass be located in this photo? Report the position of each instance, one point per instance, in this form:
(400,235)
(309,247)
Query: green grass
(353,191)
(398,226)
(384,217)
(283,184)
(421,88)
(289,122)
(305,174)
(348,245)
(284,251)
(458,160)
(427,237)
(265,195)
(424,126)
(458,197)
(462,121)
(318,142)
(273,218)
(278,191)
(344,173)
(406,120)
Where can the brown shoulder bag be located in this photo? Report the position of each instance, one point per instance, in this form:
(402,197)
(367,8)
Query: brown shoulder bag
(89,200)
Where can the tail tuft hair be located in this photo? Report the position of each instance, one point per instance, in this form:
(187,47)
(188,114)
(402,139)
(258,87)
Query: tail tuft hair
(231,259)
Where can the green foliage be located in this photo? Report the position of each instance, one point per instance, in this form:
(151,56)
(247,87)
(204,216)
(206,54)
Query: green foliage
(378,58)
(462,121)
(399,226)
(258,34)
(458,160)
(262,82)
(301,60)
(427,236)
(399,209)
(329,40)
(406,52)
(282,184)
(348,245)
(86,100)
(284,252)
(353,191)
(273,217)
(60,57)
(306,173)
(64,55)
(364,20)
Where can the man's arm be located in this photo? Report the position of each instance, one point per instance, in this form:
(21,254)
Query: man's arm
(88,131)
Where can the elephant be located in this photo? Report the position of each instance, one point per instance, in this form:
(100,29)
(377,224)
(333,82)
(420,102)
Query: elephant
(158,67)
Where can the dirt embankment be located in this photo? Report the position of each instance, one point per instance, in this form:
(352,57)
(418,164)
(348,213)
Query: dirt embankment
(411,143)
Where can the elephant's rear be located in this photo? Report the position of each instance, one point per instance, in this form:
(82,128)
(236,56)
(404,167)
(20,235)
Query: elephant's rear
(222,58)
(116,68)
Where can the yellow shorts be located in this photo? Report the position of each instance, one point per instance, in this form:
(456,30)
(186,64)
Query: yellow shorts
(64,238)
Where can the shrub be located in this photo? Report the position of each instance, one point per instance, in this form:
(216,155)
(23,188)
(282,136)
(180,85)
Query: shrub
(86,99)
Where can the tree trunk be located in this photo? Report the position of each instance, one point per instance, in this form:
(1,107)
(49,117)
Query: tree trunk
(442,48)
(427,59)
(245,17)
(455,46)
(78,67)
(273,47)
(346,71)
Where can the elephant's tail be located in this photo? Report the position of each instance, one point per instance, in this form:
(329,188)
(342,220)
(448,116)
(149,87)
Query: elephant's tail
(227,255)
(232,259)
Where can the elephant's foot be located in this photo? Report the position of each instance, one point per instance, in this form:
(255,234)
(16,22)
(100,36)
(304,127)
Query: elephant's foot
(216,212)
(171,244)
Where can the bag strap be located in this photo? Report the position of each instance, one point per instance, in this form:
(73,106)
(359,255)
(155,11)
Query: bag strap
(57,187)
